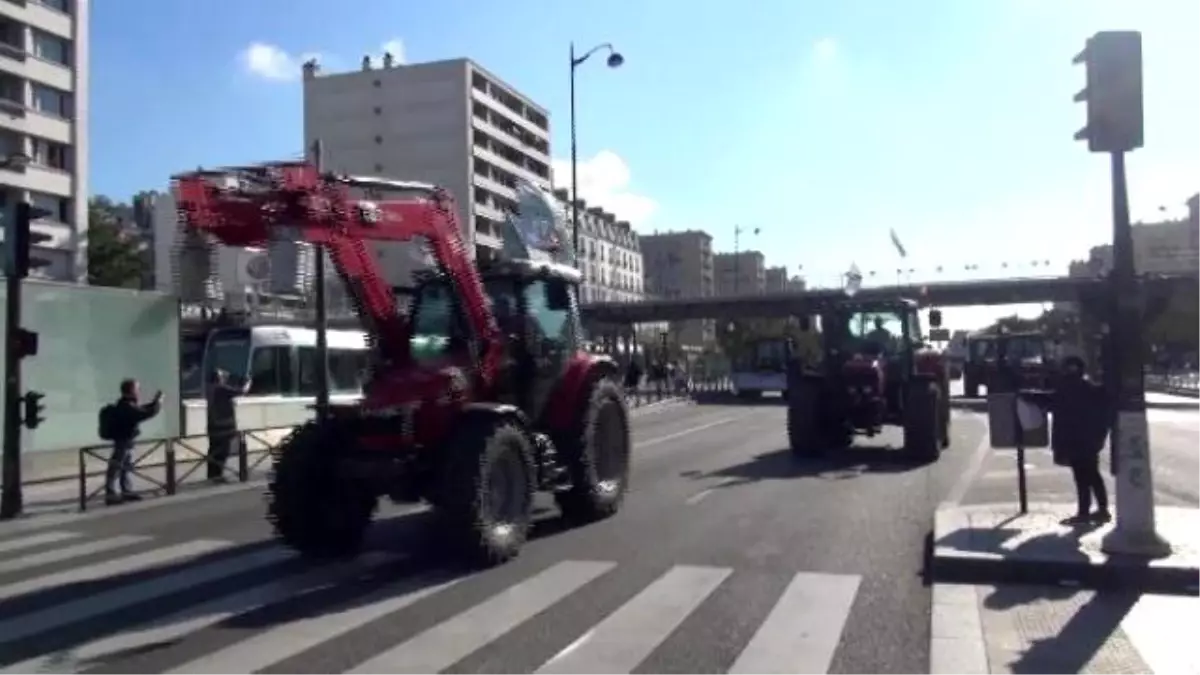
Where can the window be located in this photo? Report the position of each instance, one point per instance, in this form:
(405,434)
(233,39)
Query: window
(230,353)
(51,154)
(551,317)
(61,5)
(51,48)
(51,101)
(306,379)
(347,370)
(59,207)
(12,89)
(270,371)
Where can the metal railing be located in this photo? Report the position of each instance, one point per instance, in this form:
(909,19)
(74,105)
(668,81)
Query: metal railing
(166,457)
(1178,383)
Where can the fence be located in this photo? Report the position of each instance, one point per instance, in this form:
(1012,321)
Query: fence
(1178,383)
(176,453)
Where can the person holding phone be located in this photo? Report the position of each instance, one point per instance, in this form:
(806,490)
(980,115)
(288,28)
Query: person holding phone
(128,415)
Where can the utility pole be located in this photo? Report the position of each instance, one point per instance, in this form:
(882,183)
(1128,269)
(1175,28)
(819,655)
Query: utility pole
(1115,126)
(322,318)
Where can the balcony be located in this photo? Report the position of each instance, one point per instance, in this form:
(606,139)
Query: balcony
(498,107)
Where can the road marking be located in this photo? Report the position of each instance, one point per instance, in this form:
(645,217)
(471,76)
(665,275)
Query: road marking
(446,643)
(974,466)
(802,632)
(35,540)
(680,434)
(110,568)
(264,649)
(70,552)
(695,499)
(104,602)
(627,636)
(160,632)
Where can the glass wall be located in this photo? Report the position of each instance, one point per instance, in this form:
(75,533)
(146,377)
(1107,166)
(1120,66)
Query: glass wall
(90,339)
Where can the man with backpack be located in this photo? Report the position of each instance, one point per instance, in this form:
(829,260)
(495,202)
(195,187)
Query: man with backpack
(120,422)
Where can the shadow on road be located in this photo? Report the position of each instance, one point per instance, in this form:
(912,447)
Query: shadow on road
(835,465)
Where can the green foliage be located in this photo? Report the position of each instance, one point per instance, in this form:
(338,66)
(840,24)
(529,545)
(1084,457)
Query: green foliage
(1178,324)
(114,258)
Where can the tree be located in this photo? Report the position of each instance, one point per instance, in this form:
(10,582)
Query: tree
(114,257)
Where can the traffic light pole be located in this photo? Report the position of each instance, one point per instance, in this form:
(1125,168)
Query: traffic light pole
(1135,532)
(11,501)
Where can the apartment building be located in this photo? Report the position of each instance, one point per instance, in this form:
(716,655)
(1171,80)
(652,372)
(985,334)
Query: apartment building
(43,125)
(741,273)
(680,265)
(610,254)
(775,279)
(449,122)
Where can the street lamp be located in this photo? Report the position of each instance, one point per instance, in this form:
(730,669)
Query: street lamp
(614,61)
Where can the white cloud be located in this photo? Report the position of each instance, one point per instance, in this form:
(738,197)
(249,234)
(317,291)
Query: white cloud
(825,50)
(395,47)
(604,180)
(271,62)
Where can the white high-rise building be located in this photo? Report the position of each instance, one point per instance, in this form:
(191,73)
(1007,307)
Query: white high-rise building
(450,123)
(43,125)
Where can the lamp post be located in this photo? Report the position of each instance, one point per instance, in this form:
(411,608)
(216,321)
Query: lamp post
(614,61)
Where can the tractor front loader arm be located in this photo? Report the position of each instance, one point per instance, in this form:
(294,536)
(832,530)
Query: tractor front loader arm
(253,205)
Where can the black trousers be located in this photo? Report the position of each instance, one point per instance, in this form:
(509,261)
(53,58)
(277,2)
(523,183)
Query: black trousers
(220,445)
(1089,483)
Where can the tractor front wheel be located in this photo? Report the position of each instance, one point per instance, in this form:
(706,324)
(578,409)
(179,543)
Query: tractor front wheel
(487,490)
(597,456)
(313,509)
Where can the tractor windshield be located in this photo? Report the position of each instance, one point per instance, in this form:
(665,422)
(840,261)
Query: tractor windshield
(436,322)
(883,331)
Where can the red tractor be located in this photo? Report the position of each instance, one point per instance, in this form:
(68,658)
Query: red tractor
(498,402)
(875,372)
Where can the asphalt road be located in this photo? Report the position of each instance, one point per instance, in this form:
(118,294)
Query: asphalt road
(729,556)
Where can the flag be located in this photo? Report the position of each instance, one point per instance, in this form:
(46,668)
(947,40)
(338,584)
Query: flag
(899,247)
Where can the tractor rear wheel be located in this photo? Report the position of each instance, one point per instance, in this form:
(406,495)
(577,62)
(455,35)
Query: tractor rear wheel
(312,508)
(597,456)
(487,489)
(922,421)
(804,424)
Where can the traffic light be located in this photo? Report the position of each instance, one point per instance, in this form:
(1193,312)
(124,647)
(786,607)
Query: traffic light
(1113,95)
(33,409)
(26,343)
(19,238)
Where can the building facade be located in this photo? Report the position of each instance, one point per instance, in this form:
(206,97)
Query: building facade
(776,280)
(450,122)
(43,126)
(610,254)
(741,273)
(680,265)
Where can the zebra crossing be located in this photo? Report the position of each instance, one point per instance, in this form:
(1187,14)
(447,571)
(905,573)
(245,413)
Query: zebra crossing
(148,605)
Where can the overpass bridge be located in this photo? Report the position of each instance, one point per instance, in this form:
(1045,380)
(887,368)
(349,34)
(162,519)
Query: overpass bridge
(1088,291)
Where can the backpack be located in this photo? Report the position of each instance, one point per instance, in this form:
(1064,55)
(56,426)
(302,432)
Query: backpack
(108,422)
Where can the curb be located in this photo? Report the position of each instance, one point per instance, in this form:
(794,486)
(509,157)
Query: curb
(980,405)
(1116,573)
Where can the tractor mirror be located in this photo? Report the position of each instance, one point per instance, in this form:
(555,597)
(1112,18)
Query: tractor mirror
(935,318)
(558,298)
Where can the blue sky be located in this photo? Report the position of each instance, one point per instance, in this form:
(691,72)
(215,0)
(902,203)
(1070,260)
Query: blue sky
(824,124)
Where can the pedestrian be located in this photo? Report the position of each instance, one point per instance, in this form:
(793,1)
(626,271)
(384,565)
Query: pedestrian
(222,429)
(1080,427)
(633,375)
(124,422)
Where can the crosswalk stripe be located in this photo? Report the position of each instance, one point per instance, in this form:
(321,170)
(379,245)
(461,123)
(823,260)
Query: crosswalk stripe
(446,643)
(126,565)
(168,630)
(105,602)
(35,540)
(627,636)
(70,552)
(277,644)
(802,632)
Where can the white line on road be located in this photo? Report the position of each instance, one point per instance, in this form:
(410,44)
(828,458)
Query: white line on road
(680,434)
(974,466)
(802,632)
(446,643)
(70,552)
(35,540)
(627,636)
(696,498)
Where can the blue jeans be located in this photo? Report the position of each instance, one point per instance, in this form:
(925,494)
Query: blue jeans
(120,466)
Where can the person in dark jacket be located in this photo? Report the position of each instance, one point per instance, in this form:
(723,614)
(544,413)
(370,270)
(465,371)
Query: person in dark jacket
(1078,433)
(222,422)
(128,415)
